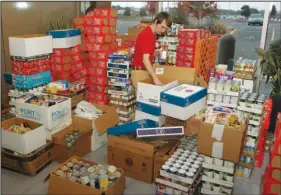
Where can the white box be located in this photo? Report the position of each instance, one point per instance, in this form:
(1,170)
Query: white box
(246,84)
(149,93)
(30,45)
(161,120)
(183,101)
(23,143)
(51,117)
(66,42)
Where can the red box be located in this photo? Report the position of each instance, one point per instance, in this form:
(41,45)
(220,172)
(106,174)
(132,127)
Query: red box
(61,76)
(95,95)
(271,181)
(207,34)
(185,50)
(106,38)
(61,67)
(105,12)
(99,21)
(98,63)
(184,64)
(185,57)
(100,102)
(98,88)
(100,47)
(130,43)
(190,33)
(98,80)
(187,42)
(61,52)
(76,58)
(76,49)
(97,71)
(99,30)
(60,59)
(80,74)
(77,66)
(100,55)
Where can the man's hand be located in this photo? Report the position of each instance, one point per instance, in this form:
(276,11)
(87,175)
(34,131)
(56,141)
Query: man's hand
(157,81)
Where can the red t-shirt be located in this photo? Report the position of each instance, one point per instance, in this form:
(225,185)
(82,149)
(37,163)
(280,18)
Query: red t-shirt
(145,44)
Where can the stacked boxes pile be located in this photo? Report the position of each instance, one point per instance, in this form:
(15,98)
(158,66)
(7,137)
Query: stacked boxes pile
(187,46)
(30,56)
(67,62)
(120,89)
(100,39)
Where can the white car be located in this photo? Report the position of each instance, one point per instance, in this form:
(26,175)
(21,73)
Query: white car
(255,19)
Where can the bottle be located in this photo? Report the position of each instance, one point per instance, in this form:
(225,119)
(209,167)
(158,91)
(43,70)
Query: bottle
(103,180)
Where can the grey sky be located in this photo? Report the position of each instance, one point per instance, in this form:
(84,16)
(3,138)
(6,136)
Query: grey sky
(222,5)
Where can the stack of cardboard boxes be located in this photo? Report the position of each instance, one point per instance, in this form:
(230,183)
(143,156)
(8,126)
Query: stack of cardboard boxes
(30,67)
(100,39)
(271,179)
(187,45)
(67,63)
(120,89)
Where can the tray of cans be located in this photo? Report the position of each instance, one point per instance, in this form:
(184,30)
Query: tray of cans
(251,102)
(117,90)
(218,165)
(119,82)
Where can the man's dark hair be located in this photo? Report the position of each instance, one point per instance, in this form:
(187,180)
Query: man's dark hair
(89,9)
(163,16)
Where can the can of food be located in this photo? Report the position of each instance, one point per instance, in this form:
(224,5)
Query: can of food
(193,170)
(176,165)
(226,99)
(216,188)
(211,97)
(181,173)
(182,158)
(209,173)
(170,164)
(200,159)
(248,160)
(190,174)
(227,190)
(195,166)
(188,164)
(218,98)
(173,170)
(239,171)
(247,173)
(192,156)
(228,177)
(179,162)
(197,162)
(185,167)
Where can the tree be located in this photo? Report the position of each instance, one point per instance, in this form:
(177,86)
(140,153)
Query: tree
(143,12)
(245,11)
(254,11)
(127,11)
(151,8)
(273,11)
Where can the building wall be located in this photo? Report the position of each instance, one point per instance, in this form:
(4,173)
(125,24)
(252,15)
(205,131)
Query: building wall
(34,19)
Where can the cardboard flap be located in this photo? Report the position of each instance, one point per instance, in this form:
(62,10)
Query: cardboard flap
(132,146)
(182,74)
(109,119)
(82,124)
(58,138)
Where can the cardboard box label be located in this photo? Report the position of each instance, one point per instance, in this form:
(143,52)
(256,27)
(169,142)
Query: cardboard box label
(217,131)
(159,71)
(217,150)
(162,131)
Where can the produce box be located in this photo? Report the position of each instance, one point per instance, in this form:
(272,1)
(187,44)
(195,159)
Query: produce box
(60,185)
(191,125)
(31,163)
(30,45)
(23,143)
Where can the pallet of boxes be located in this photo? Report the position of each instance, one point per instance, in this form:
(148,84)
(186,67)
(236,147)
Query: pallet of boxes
(100,40)
(25,148)
(120,89)
(68,65)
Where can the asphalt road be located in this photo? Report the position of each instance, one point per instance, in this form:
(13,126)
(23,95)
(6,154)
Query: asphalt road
(247,39)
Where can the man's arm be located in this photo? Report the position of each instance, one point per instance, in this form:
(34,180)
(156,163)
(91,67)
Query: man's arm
(149,69)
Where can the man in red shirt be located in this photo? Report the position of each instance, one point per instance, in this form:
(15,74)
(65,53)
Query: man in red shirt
(145,48)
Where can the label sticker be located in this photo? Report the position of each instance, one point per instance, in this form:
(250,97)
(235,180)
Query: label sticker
(159,71)
(217,150)
(217,132)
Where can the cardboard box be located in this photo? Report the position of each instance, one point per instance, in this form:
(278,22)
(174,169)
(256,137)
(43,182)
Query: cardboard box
(221,142)
(183,101)
(30,164)
(134,31)
(134,157)
(30,45)
(191,125)
(65,38)
(81,146)
(99,126)
(23,143)
(275,161)
(149,93)
(162,155)
(271,181)
(125,37)
(59,185)
(146,111)
(51,117)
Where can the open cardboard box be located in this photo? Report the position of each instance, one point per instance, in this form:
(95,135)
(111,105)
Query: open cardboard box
(149,93)
(81,146)
(59,185)
(98,127)
(135,157)
(191,125)
(221,142)
(23,143)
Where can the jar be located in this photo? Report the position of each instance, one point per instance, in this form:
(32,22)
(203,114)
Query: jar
(226,99)
(103,179)
(211,97)
(220,85)
(212,84)
(218,98)
(111,172)
(227,86)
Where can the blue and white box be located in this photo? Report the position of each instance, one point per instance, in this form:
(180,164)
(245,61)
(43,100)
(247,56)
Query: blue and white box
(28,82)
(146,111)
(183,101)
(160,132)
(65,38)
(52,117)
(130,128)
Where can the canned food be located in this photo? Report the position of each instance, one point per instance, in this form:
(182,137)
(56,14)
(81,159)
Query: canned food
(181,173)
(211,97)
(185,167)
(195,166)
(179,162)
(218,98)
(173,170)
(190,174)
(192,170)
(176,165)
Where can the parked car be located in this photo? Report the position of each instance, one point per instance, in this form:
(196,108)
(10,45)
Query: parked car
(255,19)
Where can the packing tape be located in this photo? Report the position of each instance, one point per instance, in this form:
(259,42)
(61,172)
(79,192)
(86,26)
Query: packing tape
(217,150)
(217,132)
